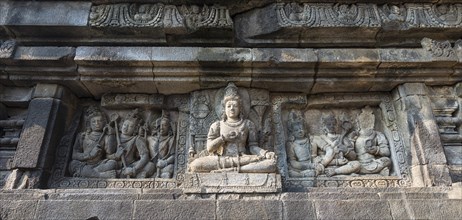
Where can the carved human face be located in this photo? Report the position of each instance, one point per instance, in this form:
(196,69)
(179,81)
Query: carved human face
(330,125)
(128,127)
(96,123)
(299,131)
(164,127)
(232,109)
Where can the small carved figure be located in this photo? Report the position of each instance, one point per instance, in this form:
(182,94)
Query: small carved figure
(371,146)
(395,13)
(132,152)
(91,148)
(299,149)
(335,151)
(231,139)
(161,146)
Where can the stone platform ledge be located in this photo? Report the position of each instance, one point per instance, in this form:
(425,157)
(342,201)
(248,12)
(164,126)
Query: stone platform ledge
(93,71)
(232,183)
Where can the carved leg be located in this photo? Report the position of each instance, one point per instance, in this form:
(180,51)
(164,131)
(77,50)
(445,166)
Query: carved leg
(147,171)
(349,168)
(167,172)
(106,166)
(204,164)
(265,166)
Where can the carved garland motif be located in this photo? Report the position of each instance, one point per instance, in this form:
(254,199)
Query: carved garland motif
(160,15)
(369,15)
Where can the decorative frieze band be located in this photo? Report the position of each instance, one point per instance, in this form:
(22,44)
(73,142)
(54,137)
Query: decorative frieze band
(403,16)
(159,15)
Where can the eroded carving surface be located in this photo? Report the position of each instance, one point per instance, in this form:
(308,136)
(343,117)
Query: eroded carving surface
(7,48)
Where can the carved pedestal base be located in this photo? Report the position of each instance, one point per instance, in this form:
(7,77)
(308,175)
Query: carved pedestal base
(232,183)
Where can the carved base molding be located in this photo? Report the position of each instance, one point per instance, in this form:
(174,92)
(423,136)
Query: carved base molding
(84,183)
(301,184)
(232,183)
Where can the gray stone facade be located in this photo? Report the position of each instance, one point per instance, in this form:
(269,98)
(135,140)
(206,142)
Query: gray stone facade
(221,109)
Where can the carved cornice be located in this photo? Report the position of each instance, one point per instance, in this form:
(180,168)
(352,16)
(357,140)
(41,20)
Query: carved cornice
(188,18)
(369,15)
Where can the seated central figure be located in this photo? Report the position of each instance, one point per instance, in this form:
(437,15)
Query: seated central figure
(233,143)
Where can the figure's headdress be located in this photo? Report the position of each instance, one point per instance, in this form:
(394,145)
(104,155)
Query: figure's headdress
(328,117)
(295,119)
(135,117)
(366,117)
(93,111)
(231,93)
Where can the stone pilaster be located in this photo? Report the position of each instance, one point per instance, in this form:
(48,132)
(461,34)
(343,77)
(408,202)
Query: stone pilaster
(428,162)
(48,113)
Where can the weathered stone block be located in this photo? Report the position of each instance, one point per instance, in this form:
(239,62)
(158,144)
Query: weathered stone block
(439,175)
(15,96)
(17,209)
(175,209)
(113,56)
(299,210)
(84,209)
(44,56)
(352,209)
(47,13)
(453,154)
(426,209)
(249,209)
(276,57)
(344,58)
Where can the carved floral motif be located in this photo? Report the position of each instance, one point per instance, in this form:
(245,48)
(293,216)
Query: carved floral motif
(160,15)
(369,15)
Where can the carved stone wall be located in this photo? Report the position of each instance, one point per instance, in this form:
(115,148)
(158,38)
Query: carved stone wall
(221,109)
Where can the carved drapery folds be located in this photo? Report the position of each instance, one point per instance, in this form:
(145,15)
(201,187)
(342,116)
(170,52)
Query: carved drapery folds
(233,139)
(179,18)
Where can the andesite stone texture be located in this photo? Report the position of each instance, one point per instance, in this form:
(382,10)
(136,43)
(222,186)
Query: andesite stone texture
(266,109)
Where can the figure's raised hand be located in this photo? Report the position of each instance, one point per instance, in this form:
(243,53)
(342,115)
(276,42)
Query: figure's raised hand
(231,136)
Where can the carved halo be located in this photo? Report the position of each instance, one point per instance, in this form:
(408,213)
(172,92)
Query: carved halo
(244,95)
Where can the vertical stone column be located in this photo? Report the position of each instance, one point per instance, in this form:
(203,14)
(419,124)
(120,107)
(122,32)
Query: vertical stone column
(418,125)
(48,114)
(454,154)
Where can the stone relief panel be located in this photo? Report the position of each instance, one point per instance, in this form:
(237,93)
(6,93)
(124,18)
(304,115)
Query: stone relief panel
(233,139)
(179,18)
(326,15)
(132,141)
(343,141)
(232,157)
(402,16)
